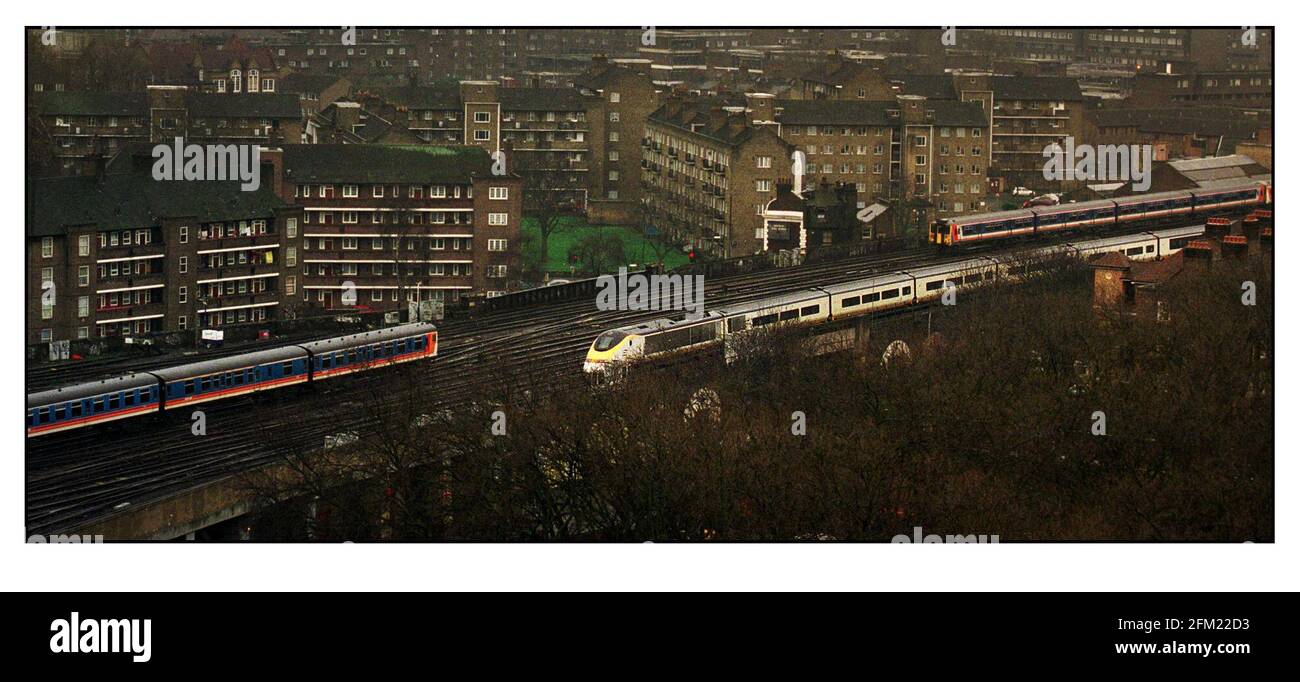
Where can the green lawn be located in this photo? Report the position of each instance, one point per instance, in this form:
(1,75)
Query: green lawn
(572,229)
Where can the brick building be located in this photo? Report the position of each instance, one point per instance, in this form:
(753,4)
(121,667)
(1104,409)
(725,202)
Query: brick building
(386,224)
(81,126)
(128,255)
(708,174)
(930,157)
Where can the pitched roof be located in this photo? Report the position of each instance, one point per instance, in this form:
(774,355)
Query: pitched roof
(541,99)
(868,112)
(1037,88)
(697,115)
(243,105)
(930,86)
(423,97)
(308,82)
(382,163)
(135,199)
(91,103)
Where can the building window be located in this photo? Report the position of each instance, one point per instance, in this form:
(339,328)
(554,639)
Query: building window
(349,191)
(47,247)
(498,218)
(498,193)
(291,227)
(185,234)
(290,256)
(497,245)
(83,276)
(482,135)
(184,264)
(496,271)
(83,332)
(764,162)
(762,185)
(290,285)
(613,118)
(182,295)
(83,245)
(613,98)
(482,117)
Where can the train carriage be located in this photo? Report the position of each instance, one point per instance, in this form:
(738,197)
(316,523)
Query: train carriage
(201,382)
(929,282)
(1070,216)
(72,407)
(357,352)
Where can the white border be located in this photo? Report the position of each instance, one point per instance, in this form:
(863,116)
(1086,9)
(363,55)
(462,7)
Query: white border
(668,567)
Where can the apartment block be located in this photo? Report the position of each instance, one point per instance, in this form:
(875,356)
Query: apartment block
(708,174)
(82,126)
(121,254)
(385,224)
(924,159)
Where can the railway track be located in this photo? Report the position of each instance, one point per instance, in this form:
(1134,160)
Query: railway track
(91,474)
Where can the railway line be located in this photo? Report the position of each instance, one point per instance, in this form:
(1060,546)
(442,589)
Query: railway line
(86,475)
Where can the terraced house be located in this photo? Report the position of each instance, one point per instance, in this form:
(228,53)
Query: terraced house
(121,254)
(387,224)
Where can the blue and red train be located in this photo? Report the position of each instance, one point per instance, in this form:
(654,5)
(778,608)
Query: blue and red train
(134,395)
(1102,213)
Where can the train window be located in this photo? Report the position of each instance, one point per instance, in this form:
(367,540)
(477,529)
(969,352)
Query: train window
(789,315)
(1151,248)
(1133,251)
(352,357)
(870,298)
(850,301)
(419,343)
(764,319)
(58,413)
(76,410)
(810,310)
(287,368)
(1178,243)
(972,278)
(934,286)
(43,415)
(907,291)
(113,402)
(892,293)
(735,324)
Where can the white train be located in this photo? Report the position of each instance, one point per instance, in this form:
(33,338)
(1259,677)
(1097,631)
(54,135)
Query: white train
(667,336)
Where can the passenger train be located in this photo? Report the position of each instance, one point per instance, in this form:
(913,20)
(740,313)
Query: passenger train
(664,337)
(984,227)
(72,407)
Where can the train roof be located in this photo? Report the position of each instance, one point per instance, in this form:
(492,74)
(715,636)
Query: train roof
(1069,207)
(1158,196)
(1222,187)
(991,217)
(1176,232)
(230,363)
(90,389)
(1103,242)
(868,283)
(959,266)
(666,323)
(773,302)
(375,336)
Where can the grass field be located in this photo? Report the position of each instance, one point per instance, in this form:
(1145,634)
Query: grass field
(573,229)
